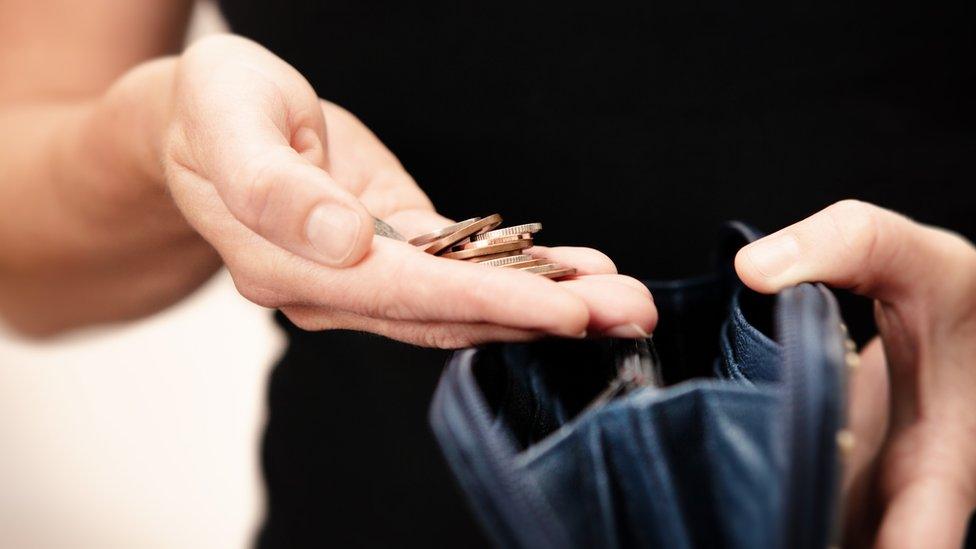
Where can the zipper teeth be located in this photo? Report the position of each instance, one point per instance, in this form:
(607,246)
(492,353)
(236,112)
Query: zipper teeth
(795,395)
(804,488)
(480,419)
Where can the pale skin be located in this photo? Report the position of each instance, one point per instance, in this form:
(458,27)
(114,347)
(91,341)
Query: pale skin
(135,175)
(130,172)
(910,480)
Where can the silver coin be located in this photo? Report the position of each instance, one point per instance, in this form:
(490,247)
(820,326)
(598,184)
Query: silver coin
(482,243)
(382,228)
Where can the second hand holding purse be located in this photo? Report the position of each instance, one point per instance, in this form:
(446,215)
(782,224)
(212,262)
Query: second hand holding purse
(727,436)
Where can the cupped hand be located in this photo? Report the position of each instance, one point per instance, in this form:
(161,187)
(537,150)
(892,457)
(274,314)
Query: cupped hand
(284,186)
(910,480)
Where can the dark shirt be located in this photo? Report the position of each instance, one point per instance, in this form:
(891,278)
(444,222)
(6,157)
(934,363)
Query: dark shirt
(632,127)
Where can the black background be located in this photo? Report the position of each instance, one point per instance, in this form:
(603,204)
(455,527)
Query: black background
(633,128)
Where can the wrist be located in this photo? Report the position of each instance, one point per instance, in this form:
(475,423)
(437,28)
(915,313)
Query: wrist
(108,159)
(124,132)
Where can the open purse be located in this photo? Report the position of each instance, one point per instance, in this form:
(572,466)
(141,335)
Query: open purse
(721,432)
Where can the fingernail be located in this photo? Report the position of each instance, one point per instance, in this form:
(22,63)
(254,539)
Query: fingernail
(773,255)
(628,331)
(332,230)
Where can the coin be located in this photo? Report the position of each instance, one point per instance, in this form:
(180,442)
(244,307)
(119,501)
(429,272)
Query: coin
(381,228)
(525,264)
(551,270)
(427,238)
(499,255)
(483,243)
(489,250)
(466,230)
(509,260)
(529,228)
(478,240)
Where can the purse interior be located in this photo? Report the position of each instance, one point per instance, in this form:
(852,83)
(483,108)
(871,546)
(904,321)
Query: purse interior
(533,389)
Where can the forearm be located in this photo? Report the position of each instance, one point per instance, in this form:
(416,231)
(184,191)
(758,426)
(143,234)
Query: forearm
(87,219)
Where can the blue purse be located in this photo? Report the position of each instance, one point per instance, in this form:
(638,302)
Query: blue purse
(722,432)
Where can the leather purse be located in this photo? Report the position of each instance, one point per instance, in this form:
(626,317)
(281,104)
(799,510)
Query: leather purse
(721,431)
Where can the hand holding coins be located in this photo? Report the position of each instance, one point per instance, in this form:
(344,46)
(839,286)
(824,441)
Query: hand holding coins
(479,240)
(323,241)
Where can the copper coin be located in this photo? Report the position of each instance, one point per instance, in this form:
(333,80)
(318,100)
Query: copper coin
(551,270)
(509,260)
(489,250)
(529,228)
(483,224)
(490,257)
(482,243)
(427,238)
(527,264)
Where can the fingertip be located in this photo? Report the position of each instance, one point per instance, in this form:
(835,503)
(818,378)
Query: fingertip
(632,282)
(646,318)
(742,268)
(613,306)
(652,317)
(751,274)
(645,297)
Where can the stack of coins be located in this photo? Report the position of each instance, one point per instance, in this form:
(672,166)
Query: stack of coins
(480,240)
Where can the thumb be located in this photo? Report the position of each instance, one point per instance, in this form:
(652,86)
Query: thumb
(853,245)
(252,126)
(298,206)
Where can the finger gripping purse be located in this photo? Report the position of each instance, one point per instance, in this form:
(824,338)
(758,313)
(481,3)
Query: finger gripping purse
(725,436)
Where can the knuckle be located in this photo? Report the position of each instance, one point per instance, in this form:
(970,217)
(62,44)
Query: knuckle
(215,46)
(252,190)
(859,226)
(853,208)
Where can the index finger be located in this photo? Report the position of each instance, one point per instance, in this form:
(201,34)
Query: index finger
(251,126)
